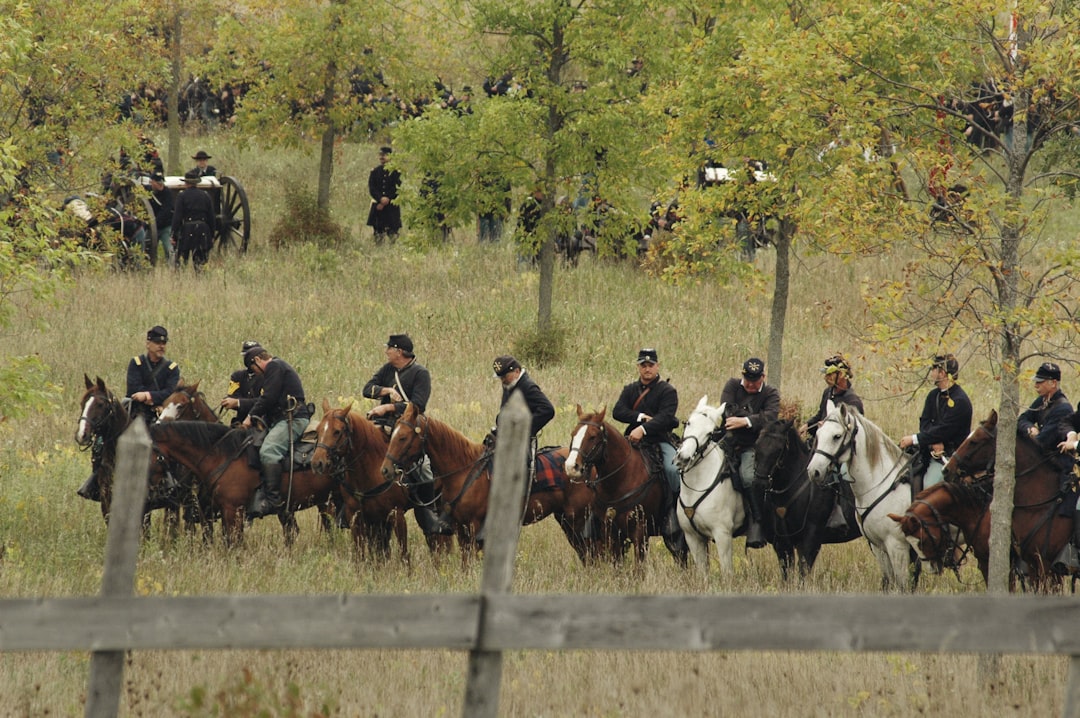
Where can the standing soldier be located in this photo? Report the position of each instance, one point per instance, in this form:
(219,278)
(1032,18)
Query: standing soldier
(193,222)
(383,185)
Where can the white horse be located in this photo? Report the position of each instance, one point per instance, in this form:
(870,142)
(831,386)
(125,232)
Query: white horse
(709,507)
(876,466)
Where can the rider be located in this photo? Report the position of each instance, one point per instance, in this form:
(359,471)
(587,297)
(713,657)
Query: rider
(944,424)
(281,406)
(1071,559)
(750,404)
(514,378)
(151,378)
(1047,419)
(244,387)
(400,380)
(648,407)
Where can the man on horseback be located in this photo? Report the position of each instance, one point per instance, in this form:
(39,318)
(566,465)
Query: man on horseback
(509,371)
(150,379)
(281,406)
(751,404)
(944,424)
(400,380)
(244,387)
(648,407)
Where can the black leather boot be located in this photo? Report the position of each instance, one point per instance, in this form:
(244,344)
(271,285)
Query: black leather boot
(90,489)
(429,521)
(755,531)
(269,501)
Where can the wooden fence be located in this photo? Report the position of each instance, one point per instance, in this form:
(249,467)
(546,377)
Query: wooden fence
(493,621)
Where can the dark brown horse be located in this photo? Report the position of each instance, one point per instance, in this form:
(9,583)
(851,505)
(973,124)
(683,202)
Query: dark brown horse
(218,455)
(187,403)
(798,509)
(1039,532)
(102,421)
(350,449)
(929,520)
(629,501)
(463,477)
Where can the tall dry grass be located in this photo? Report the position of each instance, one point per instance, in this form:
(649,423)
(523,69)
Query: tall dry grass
(328,312)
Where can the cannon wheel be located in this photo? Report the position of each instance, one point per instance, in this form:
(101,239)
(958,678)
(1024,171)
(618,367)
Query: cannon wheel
(151,230)
(234,217)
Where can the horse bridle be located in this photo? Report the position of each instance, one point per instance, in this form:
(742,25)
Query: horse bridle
(96,425)
(847,443)
(400,463)
(702,449)
(336,451)
(595,456)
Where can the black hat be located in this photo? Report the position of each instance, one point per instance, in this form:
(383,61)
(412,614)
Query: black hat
(504,365)
(200,155)
(385,150)
(753,368)
(157,177)
(251,354)
(249,344)
(400,341)
(647,356)
(948,363)
(836,363)
(157,334)
(192,177)
(1048,370)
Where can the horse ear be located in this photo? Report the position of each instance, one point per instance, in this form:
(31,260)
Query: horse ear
(898,519)
(702,403)
(602,412)
(326,406)
(195,386)
(89,384)
(580,413)
(101,384)
(992,421)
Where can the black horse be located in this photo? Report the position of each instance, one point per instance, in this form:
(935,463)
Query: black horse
(798,511)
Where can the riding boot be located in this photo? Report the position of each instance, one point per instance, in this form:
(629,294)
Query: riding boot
(429,521)
(270,500)
(755,531)
(90,490)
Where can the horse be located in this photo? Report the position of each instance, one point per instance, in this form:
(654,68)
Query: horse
(797,509)
(104,418)
(1039,532)
(218,455)
(709,505)
(187,403)
(877,468)
(462,471)
(350,449)
(630,501)
(928,523)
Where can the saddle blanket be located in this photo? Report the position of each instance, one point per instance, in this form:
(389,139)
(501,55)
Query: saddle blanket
(550,471)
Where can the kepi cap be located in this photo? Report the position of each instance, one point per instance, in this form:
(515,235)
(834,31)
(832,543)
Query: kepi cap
(1048,370)
(753,368)
(386,150)
(947,362)
(402,342)
(647,355)
(249,344)
(505,364)
(251,354)
(158,334)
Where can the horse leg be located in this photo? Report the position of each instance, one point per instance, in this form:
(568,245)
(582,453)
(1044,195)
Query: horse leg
(785,555)
(699,550)
(232,525)
(289,526)
(401,534)
(171,521)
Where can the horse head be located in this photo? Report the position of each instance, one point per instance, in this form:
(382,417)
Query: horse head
(333,437)
(834,443)
(703,427)
(588,442)
(407,443)
(771,448)
(102,414)
(975,456)
(184,404)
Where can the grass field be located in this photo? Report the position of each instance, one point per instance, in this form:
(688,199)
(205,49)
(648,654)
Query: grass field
(328,312)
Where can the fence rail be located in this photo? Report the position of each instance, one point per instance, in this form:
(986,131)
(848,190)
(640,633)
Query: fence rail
(493,621)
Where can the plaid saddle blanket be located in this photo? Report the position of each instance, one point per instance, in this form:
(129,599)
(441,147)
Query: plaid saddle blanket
(550,471)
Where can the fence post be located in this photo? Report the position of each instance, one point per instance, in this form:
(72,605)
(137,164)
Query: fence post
(502,529)
(121,554)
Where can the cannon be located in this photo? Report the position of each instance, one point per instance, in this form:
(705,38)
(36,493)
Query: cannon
(232,230)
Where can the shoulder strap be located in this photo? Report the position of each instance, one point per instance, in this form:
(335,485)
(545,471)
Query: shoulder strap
(399,387)
(640,397)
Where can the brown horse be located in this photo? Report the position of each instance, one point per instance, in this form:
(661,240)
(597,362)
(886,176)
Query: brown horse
(218,455)
(929,520)
(187,403)
(1039,532)
(463,477)
(101,423)
(629,501)
(350,449)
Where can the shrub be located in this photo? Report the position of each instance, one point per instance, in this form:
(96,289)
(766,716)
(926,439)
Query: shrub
(305,222)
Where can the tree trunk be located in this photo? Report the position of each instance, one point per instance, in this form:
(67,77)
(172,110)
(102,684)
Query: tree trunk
(781,240)
(173,165)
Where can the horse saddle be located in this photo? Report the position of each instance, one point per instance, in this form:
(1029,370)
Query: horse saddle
(550,471)
(302,452)
(654,461)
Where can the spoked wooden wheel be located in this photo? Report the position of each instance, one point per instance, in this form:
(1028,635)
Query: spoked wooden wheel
(234,217)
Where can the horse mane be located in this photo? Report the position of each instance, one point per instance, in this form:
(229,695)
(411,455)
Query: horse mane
(203,434)
(970,492)
(877,441)
(453,440)
(365,427)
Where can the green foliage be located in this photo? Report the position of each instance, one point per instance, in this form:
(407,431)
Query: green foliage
(305,222)
(541,347)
